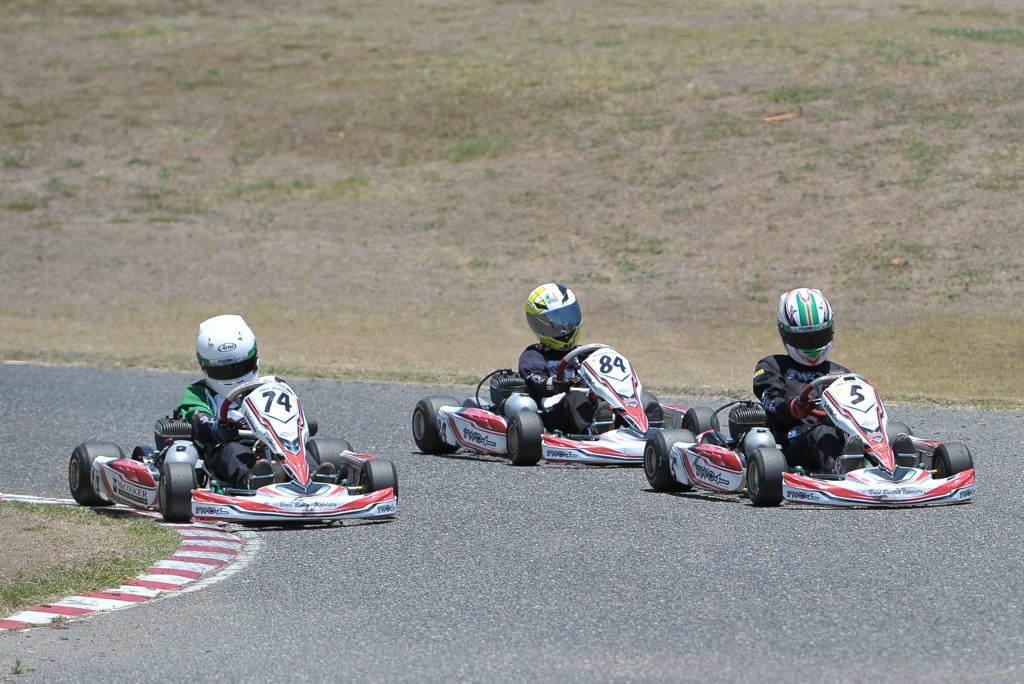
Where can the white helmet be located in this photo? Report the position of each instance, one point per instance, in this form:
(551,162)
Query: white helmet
(806,325)
(226,349)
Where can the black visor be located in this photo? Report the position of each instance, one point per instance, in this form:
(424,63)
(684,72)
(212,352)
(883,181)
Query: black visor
(808,340)
(231,371)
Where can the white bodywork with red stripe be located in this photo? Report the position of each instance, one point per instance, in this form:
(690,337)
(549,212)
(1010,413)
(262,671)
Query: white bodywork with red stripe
(607,374)
(854,406)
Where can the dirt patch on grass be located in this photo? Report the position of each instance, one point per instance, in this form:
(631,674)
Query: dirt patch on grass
(377,187)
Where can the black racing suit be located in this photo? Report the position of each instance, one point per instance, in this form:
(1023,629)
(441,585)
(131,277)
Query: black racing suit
(574,412)
(807,442)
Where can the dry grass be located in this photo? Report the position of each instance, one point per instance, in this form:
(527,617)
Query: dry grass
(53,551)
(377,186)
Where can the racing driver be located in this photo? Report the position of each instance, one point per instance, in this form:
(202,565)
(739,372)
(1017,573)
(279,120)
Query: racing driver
(554,315)
(228,356)
(806,325)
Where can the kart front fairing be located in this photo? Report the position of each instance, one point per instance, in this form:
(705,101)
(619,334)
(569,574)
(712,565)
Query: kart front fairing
(875,487)
(288,501)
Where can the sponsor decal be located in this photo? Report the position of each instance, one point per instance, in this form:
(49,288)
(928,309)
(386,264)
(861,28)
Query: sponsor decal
(301,505)
(706,474)
(131,492)
(387,508)
(896,492)
(803,376)
(799,495)
(227,346)
(479,438)
(211,510)
(632,403)
(966,493)
(759,371)
(560,454)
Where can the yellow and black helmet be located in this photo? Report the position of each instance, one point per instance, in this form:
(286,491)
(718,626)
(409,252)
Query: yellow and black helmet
(554,315)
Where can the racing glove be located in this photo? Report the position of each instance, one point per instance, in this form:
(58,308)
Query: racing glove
(799,409)
(555,386)
(208,429)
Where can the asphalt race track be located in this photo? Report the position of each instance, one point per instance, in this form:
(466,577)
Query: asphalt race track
(553,573)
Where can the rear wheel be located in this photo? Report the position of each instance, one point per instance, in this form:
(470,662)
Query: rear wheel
(698,419)
(899,445)
(328,450)
(764,477)
(657,466)
(525,437)
(177,480)
(424,425)
(379,474)
(951,459)
(80,471)
(652,407)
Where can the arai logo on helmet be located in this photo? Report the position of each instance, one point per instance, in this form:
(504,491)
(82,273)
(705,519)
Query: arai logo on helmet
(227,346)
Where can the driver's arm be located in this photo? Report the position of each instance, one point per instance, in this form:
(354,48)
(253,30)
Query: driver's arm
(534,369)
(770,389)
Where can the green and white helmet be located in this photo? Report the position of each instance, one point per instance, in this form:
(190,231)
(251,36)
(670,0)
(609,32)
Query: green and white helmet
(554,315)
(227,353)
(806,325)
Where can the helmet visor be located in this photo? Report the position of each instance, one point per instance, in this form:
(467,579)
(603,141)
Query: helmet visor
(558,323)
(815,339)
(230,371)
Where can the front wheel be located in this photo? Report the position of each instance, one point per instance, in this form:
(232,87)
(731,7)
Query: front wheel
(525,438)
(177,480)
(764,477)
(80,471)
(951,459)
(424,425)
(657,464)
(379,474)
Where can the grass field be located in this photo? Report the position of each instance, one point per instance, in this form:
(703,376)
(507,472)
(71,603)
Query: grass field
(377,186)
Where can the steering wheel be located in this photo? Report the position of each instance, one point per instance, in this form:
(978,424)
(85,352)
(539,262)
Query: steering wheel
(573,359)
(235,395)
(814,389)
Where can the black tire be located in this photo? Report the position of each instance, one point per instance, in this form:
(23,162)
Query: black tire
(328,450)
(652,407)
(177,480)
(698,419)
(951,459)
(764,477)
(525,438)
(80,471)
(656,459)
(424,425)
(379,474)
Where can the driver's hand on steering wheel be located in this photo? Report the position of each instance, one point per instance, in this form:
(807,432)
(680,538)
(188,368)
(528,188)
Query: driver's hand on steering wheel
(556,386)
(799,409)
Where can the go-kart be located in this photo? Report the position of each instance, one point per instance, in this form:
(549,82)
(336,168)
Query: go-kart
(509,422)
(175,481)
(882,462)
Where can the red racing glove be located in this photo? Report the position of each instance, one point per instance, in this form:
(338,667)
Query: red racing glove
(799,409)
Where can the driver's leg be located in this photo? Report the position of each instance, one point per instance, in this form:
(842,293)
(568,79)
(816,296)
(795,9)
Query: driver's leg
(817,449)
(231,463)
